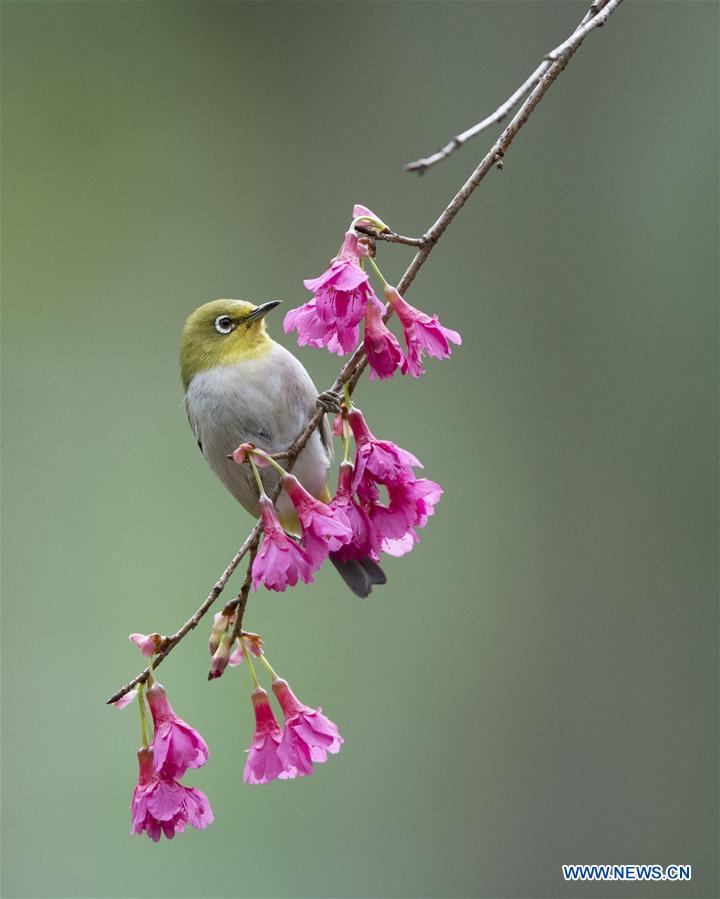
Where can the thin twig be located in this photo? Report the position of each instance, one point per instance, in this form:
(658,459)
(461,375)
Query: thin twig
(356,364)
(594,18)
(243,595)
(195,618)
(390,236)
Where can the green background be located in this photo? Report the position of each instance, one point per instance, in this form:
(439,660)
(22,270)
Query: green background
(537,684)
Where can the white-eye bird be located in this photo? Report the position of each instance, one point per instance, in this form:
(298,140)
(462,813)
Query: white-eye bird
(243,387)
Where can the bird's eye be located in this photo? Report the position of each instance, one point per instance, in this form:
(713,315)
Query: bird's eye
(224,324)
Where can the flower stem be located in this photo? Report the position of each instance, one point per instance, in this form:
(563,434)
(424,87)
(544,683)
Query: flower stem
(143,715)
(346,443)
(273,673)
(276,466)
(377,271)
(258,479)
(251,667)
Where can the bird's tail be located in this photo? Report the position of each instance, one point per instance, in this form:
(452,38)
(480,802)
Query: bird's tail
(361,575)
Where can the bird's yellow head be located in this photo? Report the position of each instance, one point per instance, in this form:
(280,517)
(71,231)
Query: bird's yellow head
(222,333)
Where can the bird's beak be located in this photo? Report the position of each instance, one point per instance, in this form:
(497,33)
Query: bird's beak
(262,311)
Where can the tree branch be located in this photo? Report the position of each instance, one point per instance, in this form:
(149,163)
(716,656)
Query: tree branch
(355,365)
(595,18)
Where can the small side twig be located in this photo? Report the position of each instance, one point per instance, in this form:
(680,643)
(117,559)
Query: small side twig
(390,236)
(244,593)
(595,17)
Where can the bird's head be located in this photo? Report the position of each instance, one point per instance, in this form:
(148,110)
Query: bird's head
(221,333)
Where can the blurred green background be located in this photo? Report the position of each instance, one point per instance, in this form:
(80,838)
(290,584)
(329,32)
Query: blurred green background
(537,684)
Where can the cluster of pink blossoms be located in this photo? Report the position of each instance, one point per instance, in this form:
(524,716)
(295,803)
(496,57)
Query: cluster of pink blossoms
(160,803)
(343,297)
(355,524)
(378,507)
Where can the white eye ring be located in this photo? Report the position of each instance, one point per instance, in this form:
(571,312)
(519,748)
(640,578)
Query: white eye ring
(224,324)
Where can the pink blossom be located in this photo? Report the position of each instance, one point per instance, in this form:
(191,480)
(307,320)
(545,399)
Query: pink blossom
(365,541)
(313,331)
(281,562)
(305,727)
(126,699)
(221,656)
(411,504)
(381,347)
(379,460)
(264,763)
(422,333)
(325,529)
(162,805)
(362,212)
(255,643)
(246,451)
(340,296)
(221,622)
(146,643)
(176,745)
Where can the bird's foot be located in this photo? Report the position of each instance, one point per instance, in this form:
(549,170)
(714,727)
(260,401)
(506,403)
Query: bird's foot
(329,401)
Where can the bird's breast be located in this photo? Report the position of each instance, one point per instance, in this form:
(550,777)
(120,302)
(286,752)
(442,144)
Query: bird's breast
(266,401)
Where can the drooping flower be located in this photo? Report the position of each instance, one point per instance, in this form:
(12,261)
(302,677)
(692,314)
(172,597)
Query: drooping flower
(255,643)
(281,562)
(263,762)
(410,505)
(380,344)
(306,729)
(313,331)
(221,656)
(162,805)
(364,541)
(379,460)
(340,296)
(146,643)
(221,622)
(177,746)
(422,333)
(325,528)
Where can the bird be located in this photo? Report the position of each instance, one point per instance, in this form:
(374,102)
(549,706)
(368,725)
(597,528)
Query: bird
(241,386)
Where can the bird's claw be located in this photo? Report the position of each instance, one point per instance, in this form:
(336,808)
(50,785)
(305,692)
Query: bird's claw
(329,401)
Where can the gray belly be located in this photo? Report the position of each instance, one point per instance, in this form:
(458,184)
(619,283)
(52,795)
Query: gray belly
(264,404)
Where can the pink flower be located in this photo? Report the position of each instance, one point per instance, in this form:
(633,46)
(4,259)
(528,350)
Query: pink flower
(365,541)
(264,763)
(381,347)
(126,699)
(280,562)
(221,656)
(379,460)
(340,296)
(162,805)
(248,450)
(255,642)
(325,529)
(305,727)
(176,745)
(313,331)
(411,504)
(221,622)
(362,212)
(146,643)
(422,332)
